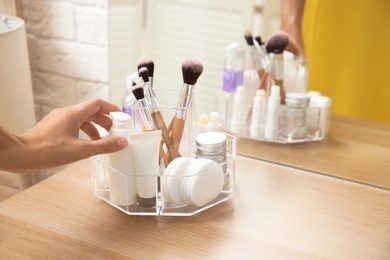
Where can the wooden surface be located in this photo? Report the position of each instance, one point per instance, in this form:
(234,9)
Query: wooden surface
(278,213)
(354,149)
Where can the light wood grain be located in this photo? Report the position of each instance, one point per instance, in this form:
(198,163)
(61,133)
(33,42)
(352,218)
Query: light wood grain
(278,213)
(354,149)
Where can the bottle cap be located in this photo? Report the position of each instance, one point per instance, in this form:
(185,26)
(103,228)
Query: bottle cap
(203,119)
(121,120)
(275,91)
(214,122)
(235,50)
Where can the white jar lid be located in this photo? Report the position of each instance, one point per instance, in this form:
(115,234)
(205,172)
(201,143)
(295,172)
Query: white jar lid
(297,100)
(192,181)
(206,182)
(172,179)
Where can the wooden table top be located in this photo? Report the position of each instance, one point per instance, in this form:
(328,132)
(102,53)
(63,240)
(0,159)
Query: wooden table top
(354,149)
(278,212)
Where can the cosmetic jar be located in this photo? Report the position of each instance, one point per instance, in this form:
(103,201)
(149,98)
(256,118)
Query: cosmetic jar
(294,115)
(190,181)
(212,145)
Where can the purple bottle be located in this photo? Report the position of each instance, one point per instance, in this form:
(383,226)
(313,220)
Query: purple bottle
(233,76)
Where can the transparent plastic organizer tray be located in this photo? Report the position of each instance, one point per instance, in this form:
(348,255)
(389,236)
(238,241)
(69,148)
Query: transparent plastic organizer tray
(293,125)
(177,195)
(316,129)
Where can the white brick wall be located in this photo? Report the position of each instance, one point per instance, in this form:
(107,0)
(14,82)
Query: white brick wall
(67,41)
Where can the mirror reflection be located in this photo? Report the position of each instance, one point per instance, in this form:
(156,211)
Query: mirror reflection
(172,31)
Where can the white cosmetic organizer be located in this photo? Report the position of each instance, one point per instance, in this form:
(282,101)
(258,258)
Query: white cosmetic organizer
(101,172)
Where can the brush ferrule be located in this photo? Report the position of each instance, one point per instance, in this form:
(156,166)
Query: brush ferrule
(146,114)
(185,100)
(255,57)
(266,59)
(278,65)
(153,100)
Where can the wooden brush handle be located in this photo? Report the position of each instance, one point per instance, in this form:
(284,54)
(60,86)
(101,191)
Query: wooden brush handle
(282,90)
(159,122)
(163,155)
(177,132)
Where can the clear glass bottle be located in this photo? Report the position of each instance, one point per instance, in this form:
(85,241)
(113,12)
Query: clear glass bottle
(128,99)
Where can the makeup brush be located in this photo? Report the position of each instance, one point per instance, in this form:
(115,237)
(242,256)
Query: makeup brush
(252,50)
(146,115)
(155,109)
(276,45)
(191,70)
(147,62)
(263,50)
(144,108)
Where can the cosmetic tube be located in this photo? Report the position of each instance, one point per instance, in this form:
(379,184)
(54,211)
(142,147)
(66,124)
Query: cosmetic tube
(257,123)
(145,147)
(318,114)
(238,114)
(272,121)
(121,174)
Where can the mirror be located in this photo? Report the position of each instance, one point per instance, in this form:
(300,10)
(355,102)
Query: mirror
(170,31)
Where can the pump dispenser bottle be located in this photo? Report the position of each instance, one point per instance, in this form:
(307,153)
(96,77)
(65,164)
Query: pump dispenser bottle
(121,178)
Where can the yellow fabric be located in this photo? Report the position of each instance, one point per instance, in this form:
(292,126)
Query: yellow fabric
(348,44)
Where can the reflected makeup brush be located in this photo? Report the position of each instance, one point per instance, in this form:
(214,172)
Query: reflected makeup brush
(147,62)
(265,61)
(191,70)
(155,109)
(146,114)
(253,50)
(276,45)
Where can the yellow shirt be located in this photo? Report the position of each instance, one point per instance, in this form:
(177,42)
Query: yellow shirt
(348,46)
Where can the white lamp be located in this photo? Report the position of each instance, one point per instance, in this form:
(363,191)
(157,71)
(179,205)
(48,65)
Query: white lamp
(16,99)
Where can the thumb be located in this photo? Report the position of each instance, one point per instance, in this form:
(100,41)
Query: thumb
(106,145)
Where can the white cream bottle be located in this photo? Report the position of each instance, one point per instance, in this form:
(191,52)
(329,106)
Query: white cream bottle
(145,148)
(272,120)
(122,180)
(257,123)
(239,109)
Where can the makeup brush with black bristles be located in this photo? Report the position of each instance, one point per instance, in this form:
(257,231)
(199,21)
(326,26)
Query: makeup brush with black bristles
(143,73)
(146,114)
(191,70)
(147,62)
(263,51)
(253,50)
(276,45)
(155,109)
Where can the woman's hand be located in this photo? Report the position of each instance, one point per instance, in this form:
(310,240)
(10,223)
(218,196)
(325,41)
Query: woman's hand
(55,141)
